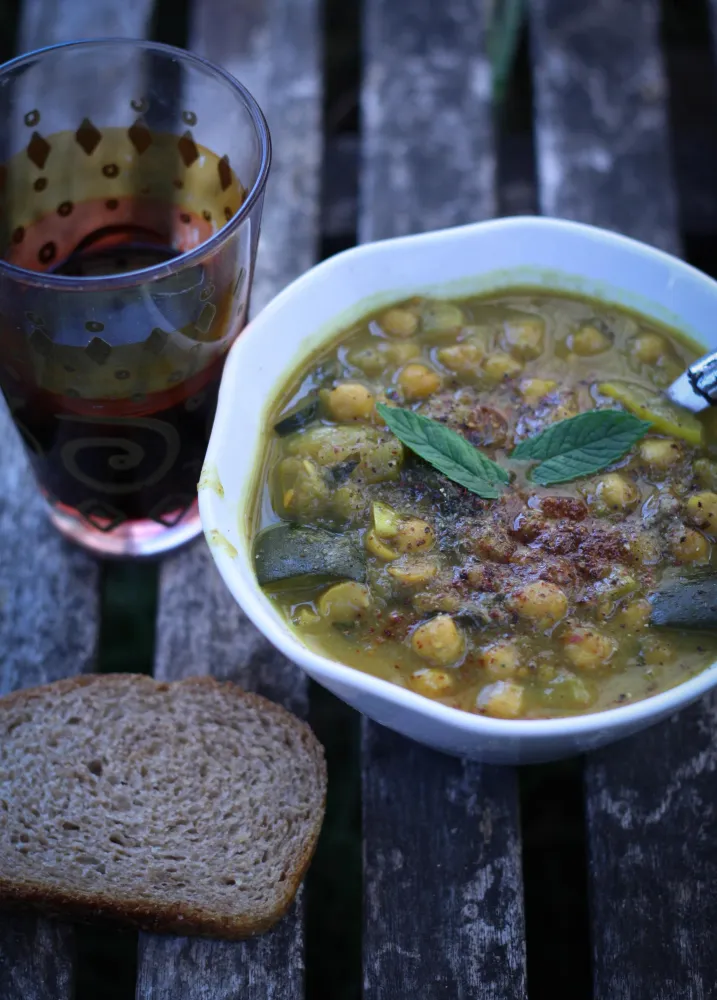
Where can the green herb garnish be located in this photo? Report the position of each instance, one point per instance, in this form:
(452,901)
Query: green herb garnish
(446,451)
(581,445)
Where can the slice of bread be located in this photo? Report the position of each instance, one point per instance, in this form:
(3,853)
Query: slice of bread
(189,807)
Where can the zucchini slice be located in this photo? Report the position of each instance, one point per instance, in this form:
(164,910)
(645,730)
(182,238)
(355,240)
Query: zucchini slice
(283,551)
(686,605)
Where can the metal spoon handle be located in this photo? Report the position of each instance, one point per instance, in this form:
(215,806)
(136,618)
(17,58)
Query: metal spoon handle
(703,377)
(697,387)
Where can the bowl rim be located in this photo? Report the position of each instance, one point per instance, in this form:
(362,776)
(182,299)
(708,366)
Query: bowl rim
(247,591)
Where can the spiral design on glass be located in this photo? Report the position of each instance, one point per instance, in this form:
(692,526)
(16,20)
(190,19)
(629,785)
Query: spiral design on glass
(126,454)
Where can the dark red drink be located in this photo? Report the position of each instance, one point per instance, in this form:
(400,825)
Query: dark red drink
(114,394)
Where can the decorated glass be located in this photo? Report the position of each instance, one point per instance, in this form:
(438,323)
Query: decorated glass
(131,185)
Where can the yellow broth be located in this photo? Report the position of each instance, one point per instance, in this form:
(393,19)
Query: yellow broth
(529,606)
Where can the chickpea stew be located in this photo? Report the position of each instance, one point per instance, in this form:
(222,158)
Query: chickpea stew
(529,603)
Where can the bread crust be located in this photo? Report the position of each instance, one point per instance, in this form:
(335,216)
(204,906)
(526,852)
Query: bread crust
(158,917)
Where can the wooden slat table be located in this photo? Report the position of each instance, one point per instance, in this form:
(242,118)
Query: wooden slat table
(443,912)
(428,130)
(603,158)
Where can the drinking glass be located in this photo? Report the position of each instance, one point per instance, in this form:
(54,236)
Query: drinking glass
(132,178)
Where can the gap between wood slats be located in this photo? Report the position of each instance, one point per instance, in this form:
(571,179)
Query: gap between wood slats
(273,47)
(443,907)
(603,157)
(49,612)
(333,884)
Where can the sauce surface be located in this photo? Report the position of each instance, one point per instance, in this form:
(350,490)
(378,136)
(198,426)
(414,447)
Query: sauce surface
(533,605)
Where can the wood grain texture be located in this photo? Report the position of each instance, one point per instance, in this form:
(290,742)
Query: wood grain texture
(601,118)
(266,968)
(443,904)
(49,591)
(36,959)
(428,155)
(652,819)
(272,46)
(49,599)
(48,22)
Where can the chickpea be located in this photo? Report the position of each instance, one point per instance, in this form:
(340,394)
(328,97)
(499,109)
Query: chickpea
(369,359)
(645,550)
(501,659)
(377,547)
(634,616)
(400,352)
(344,602)
(524,337)
(533,389)
(503,700)
(440,317)
(702,511)
(413,572)
(499,366)
(350,401)
(590,340)
(376,417)
(660,454)
(414,535)
(418,381)
(648,348)
(399,322)
(706,473)
(463,359)
(656,651)
(615,493)
(433,683)
(587,648)
(386,520)
(689,546)
(439,641)
(540,601)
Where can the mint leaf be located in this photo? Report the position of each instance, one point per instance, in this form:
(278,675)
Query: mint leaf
(446,451)
(581,445)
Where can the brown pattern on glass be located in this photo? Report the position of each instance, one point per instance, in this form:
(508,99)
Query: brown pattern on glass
(38,150)
(188,149)
(88,137)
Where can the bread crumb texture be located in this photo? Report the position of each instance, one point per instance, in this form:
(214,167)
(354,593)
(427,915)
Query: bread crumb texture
(190,807)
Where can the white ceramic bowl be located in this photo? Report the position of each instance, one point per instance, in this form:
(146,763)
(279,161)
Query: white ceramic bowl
(485,257)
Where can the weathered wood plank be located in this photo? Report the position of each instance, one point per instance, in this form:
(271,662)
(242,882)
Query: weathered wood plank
(48,22)
(603,157)
(36,959)
(273,47)
(443,911)
(443,901)
(49,591)
(266,968)
(601,117)
(428,159)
